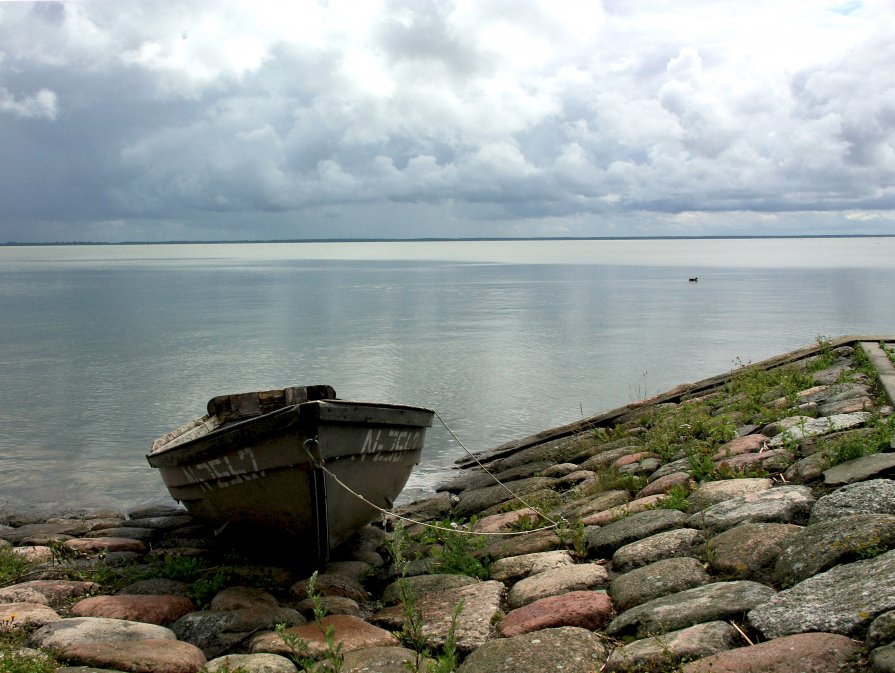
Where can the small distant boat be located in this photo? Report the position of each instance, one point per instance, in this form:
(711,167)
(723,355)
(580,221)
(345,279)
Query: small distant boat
(271,461)
(694,279)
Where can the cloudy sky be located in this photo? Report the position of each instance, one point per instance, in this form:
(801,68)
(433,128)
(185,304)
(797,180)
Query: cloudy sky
(418,118)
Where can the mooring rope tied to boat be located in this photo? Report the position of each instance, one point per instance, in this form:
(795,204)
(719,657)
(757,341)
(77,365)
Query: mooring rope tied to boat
(320,464)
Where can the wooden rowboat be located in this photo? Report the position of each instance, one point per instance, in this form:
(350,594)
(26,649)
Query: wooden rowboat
(272,461)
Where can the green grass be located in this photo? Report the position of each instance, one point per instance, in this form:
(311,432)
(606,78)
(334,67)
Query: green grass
(12,566)
(455,553)
(12,660)
(876,437)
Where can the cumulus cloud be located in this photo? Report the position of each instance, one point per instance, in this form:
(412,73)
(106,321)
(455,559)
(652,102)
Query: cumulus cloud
(496,118)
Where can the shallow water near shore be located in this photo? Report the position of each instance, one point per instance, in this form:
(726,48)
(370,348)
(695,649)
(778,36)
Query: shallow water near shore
(103,348)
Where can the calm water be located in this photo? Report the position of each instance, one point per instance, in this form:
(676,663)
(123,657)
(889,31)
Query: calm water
(103,348)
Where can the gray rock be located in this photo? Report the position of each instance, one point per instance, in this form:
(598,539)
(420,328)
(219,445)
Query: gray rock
(882,659)
(216,631)
(882,630)
(131,533)
(822,545)
(162,523)
(801,653)
(513,568)
(531,543)
(251,663)
(75,630)
(669,544)
(604,541)
(784,504)
(876,496)
(712,492)
(664,652)
(156,587)
(808,469)
(661,578)
(332,584)
(561,470)
(424,584)
(43,531)
(812,427)
(156,510)
(843,600)
(679,465)
(332,605)
(578,650)
(460,479)
(846,406)
(578,479)
(557,581)
(750,550)
(475,501)
(384,659)
(565,450)
(580,509)
(708,603)
(481,479)
(860,469)
(430,509)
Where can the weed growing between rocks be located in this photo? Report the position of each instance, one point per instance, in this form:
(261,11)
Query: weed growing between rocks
(12,567)
(876,437)
(300,651)
(573,537)
(676,498)
(15,657)
(455,553)
(889,350)
(411,635)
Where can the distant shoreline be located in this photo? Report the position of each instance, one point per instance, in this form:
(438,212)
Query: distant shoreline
(442,240)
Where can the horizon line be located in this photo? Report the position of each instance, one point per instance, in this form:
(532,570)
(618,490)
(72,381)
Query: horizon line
(441,239)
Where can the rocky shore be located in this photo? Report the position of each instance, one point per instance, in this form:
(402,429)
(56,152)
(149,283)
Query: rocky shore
(744,523)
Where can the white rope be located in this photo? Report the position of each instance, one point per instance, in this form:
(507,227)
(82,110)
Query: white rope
(486,471)
(460,531)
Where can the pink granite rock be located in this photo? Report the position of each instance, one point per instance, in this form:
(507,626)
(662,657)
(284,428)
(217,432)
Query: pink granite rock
(55,593)
(747,444)
(557,581)
(499,523)
(34,553)
(353,633)
(136,656)
(610,515)
(237,598)
(135,607)
(16,617)
(90,545)
(804,652)
(587,609)
(481,604)
(664,484)
(632,458)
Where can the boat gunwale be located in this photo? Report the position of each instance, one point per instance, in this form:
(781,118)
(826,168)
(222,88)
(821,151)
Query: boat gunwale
(221,439)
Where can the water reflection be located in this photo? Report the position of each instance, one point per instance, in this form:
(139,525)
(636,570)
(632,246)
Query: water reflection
(100,357)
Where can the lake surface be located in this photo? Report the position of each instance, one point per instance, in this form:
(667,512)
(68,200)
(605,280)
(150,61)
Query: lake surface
(104,348)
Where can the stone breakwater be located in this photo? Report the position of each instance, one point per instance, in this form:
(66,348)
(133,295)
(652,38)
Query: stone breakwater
(746,525)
